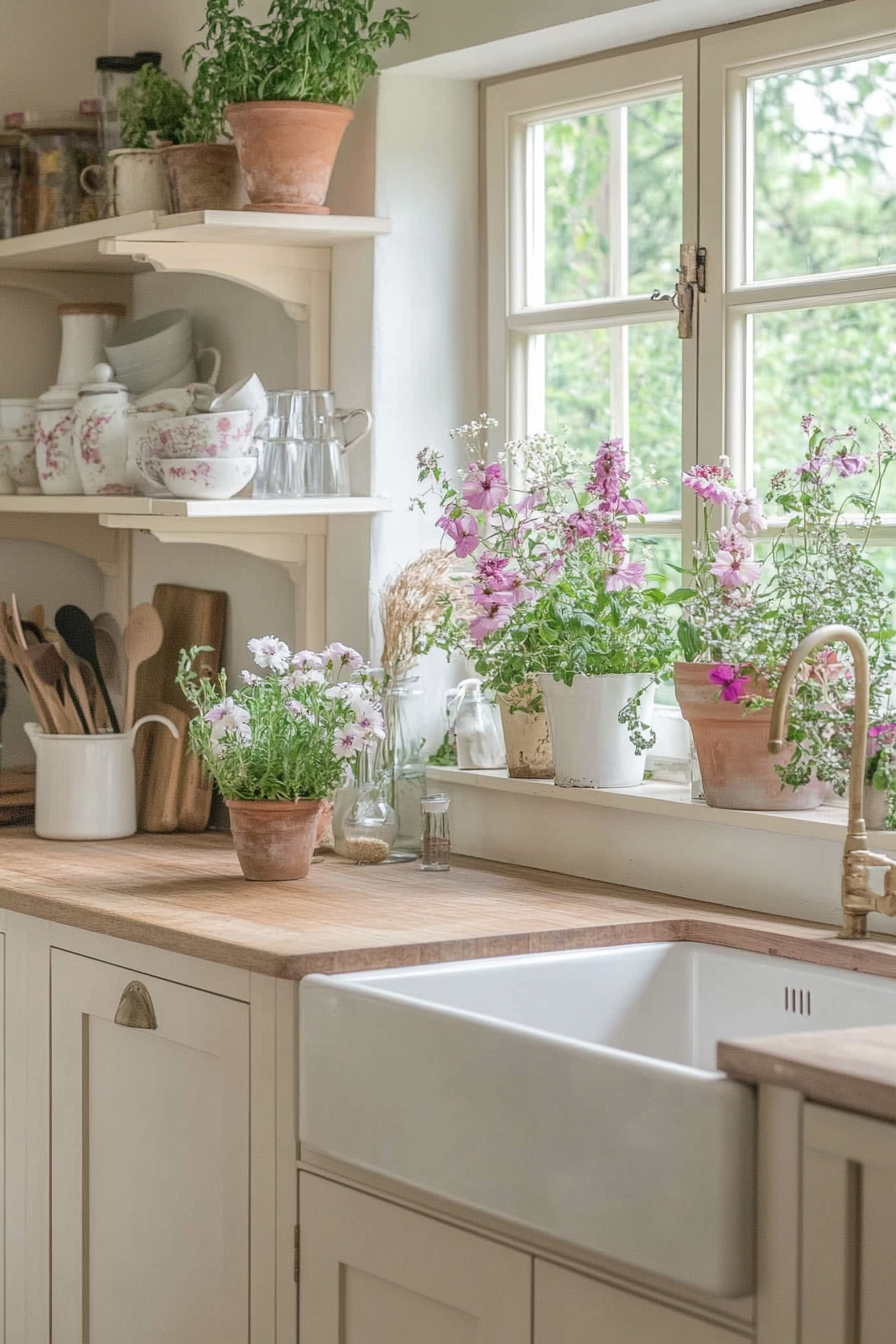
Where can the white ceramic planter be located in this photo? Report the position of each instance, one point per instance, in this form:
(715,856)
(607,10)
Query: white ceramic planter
(592,749)
(85,787)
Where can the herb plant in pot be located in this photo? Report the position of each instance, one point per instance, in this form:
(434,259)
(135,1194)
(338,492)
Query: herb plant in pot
(559,600)
(742,618)
(277,746)
(286,87)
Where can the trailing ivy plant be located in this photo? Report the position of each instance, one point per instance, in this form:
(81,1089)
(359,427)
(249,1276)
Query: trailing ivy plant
(153,108)
(317,51)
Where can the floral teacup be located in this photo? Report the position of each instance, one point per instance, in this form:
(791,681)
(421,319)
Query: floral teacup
(227,434)
(200,477)
(20,461)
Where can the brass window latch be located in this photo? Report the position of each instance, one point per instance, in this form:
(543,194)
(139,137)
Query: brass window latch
(691,281)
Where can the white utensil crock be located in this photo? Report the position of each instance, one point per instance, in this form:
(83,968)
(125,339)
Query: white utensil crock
(592,749)
(85,787)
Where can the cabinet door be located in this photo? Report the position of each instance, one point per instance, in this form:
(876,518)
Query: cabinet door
(149,1163)
(372,1273)
(570,1309)
(848,1289)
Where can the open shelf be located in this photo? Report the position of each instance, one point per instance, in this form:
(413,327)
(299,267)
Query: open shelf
(141,509)
(114,244)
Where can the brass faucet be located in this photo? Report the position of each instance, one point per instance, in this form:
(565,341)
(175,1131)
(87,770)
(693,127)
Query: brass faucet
(858,898)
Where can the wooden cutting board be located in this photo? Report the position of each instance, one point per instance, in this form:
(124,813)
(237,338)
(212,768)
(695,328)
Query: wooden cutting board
(190,616)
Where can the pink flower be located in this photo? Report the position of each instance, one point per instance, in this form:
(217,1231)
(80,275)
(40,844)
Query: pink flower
(632,508)
(711,483)
(746,510)
(608,473)
(463,531)
(851,464)
(733,569)
(485,487)
(807,423)
(626,574)
(493,617)
(529,502)
(814,466)
(580,526)
(730,680)
(882,735)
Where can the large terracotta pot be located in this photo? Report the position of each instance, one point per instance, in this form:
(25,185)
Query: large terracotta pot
(737,768)
(287,151)
(592,749)
(274,841)
(204,177)
(527,737)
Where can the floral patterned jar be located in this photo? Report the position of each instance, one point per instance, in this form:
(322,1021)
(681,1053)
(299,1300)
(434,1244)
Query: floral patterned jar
(101,435)
(54,443)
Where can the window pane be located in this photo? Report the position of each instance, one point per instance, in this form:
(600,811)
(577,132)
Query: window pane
(836,363)
(824,176)
(607,207)
(622,381)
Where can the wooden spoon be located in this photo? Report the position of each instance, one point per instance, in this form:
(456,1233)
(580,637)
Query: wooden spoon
(110,648)
(76,628)
(75,683)
(15,657)
(143,637)
(47,665)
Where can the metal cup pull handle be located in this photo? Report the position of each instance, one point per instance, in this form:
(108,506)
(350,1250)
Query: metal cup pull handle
(135,1008)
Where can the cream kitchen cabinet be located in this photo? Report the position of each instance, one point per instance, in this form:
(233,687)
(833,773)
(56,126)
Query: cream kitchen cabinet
(374,1273)
(573,1309)
(149,1171)
(847,1284)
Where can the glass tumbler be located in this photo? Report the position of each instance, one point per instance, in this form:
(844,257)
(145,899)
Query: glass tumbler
(280,473)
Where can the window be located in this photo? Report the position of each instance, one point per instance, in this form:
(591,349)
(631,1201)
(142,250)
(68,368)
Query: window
(594,174)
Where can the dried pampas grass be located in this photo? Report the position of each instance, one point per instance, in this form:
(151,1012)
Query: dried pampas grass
(411,606)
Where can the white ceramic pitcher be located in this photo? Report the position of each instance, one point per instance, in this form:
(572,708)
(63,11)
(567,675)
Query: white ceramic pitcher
(85,787)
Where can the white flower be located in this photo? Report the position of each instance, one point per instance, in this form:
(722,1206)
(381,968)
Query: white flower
(340,655)
(270,652)
(228,720)
(746,511)
(305,660)
(348,741)
(350,692)
(293,680)
(297,709)
(251,679)
(372,725)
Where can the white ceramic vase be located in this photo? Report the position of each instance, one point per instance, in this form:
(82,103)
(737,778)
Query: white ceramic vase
(592,749)
(85,788)
(85,329)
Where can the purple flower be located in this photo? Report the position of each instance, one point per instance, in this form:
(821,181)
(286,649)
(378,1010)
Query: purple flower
(632,508)
(850,464)
(625,574)
(463,531)
(730,680)
(710,483)
(580,526)
(493,617)
(814,466)
(808,423)
(733,569)
(485,487)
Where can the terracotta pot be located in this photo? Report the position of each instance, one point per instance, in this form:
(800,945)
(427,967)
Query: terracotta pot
(204,177)
(737,768)
(274,841)
(527,739)
(287,151)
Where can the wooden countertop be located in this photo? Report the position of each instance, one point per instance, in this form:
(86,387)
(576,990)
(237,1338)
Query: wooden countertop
(185,893)
(853,1069)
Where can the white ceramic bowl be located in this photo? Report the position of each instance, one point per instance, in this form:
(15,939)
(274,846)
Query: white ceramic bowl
(205,477)
(227,434)
(150,352)
(17,416)
(247,395)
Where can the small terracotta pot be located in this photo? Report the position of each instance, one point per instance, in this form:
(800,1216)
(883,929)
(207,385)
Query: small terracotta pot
(274,841)
(204,177)
(287,151)
(737,768)
(527,741)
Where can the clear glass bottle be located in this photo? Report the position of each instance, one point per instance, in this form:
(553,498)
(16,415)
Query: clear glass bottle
(371,826)
(403,704)
(436,851)
(113,73)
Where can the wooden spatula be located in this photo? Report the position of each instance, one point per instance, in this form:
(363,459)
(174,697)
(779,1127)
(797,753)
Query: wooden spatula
(142,637)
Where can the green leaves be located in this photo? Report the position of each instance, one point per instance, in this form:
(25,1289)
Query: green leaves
(320,51)
(153,106)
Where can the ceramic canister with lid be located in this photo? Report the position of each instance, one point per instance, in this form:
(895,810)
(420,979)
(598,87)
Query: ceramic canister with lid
(85,329)
(101,435)
(54,443)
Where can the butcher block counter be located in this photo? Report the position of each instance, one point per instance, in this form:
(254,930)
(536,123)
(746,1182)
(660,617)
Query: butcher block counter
(185,893)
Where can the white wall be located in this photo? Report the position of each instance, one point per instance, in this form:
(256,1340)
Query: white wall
(47,52)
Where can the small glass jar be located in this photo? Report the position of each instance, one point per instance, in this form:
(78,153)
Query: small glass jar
(371,826)
(436,855)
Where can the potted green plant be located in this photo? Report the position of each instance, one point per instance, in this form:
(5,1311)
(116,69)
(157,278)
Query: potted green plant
(277,745)
(286,87)
(742,618)
(560,609)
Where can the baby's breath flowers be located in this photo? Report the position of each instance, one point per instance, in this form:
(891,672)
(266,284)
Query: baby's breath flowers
(290,734)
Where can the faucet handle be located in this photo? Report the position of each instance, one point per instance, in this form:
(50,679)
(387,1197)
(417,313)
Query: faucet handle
(886,904)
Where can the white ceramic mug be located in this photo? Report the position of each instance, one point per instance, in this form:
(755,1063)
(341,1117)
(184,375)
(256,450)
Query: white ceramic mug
(85,788)
(135,180)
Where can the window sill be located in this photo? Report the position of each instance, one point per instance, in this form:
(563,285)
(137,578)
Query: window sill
(657,839)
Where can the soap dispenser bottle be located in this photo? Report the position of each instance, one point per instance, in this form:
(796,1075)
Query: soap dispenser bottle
(479,744)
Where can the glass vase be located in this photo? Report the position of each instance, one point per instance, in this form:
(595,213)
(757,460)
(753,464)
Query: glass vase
(403,706)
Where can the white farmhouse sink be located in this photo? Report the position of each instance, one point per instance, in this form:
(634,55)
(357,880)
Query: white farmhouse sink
(574,1092)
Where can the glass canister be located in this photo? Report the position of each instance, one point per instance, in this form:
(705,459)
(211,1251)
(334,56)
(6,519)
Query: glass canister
(10,169)
(50,191)
(436,851)
(403,706)
(371,826)
(113,73)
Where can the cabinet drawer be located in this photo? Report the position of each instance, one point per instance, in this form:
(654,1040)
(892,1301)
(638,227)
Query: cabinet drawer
(571,1309)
